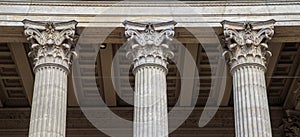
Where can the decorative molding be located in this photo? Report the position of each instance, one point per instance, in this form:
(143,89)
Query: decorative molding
(148,46)
(214,12)
(149,34)
(51,43)
(150,4)
(223,118)
(148,43)
(291,124)
(246,42)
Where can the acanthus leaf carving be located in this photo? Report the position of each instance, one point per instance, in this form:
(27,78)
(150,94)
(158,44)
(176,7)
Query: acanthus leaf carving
(149,34)
(149,41)
(51,43)
(246,43)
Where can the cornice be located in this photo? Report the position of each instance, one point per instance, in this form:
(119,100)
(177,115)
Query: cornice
(112,13)
(150,4)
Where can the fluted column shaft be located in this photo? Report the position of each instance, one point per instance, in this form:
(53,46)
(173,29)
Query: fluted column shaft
(148,48)
(49,105)
(150,113)
(250,102)
(247,54)
(52,54)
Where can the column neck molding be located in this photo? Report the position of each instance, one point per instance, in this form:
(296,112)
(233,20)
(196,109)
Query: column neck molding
(246,43)
(52,43)
(148,44)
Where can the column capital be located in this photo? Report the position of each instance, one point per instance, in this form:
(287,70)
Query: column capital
(148,43)
(52,43)
(246,42)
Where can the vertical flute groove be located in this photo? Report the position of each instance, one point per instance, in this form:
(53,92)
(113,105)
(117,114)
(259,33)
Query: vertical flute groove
(52,53)
(50,101)
(247,54)
(151,103)
(155,95)
(149,54)
(251,109)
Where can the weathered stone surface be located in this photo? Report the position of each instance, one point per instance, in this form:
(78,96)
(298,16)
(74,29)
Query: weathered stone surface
(51,49)
(247,53)
(148,48)
(15,122)
(291,124)
(186,13)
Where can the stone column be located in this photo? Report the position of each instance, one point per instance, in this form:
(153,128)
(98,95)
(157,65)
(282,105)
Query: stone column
(148,48)
(51,49)
(247,54)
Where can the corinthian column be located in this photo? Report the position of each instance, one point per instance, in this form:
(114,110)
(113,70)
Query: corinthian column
(148,48)
(247,54)
(51,49)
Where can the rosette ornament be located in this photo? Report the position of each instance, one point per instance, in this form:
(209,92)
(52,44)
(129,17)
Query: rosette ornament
(247,53)
(148,43)
(148,47)
(51,43)
(246,42)
(51,47)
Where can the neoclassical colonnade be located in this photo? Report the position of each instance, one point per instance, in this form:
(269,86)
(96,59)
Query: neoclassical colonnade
(246,50)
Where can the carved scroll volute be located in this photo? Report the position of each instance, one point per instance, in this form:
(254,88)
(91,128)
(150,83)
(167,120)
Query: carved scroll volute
(49,39)
(247,42)
(149,34)
(149,41)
